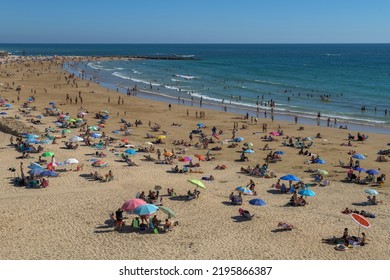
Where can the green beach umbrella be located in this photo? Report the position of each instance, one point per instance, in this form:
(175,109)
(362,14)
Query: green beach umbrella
(167,211)
(94,128)
(197,183)
(48,154)
(66,131)
(72,120)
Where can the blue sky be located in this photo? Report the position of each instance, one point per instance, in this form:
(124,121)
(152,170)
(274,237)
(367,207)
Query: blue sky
(195,21)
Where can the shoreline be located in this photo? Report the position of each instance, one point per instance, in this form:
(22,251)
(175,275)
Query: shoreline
(236,108)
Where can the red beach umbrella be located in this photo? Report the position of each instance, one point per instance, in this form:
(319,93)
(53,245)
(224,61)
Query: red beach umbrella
(361,221)
(132,203)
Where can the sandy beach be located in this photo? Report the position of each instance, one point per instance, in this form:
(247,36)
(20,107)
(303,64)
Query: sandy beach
(66,220)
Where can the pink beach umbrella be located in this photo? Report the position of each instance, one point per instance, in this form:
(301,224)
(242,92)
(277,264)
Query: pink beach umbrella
(132,203)
(274,133)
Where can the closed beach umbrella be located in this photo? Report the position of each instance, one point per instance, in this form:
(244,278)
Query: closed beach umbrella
(372,172)
(279,153)
(71,161)
(290,177)
(197,183)
(49,173)
(47,154)
(257,202)
(371,191)
(130,152)
(359,156)
(244,190)
(238,139)
(76,139)
(168,211)
(307,192)
(146,209)
(249,151)
(132,203)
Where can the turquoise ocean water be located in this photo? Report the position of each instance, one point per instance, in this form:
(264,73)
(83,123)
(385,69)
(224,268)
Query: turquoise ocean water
(302,79)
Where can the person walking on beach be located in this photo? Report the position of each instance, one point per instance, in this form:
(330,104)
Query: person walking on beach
(296,119)
(170,106)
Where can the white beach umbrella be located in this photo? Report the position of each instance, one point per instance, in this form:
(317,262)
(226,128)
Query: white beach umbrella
(76,139)
(71,161)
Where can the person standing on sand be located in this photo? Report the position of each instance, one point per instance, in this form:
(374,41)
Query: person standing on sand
(119,219)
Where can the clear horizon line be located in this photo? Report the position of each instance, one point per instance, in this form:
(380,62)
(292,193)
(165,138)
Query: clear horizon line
(195,43)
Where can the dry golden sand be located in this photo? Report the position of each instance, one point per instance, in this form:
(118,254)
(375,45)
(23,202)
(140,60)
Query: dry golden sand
(66,220)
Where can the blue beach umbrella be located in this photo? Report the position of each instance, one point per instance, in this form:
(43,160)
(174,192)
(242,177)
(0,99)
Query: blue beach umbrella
(307,192)
(3,113)
(32,136)
(372,172)
(244,190)
(290,177)
(238,139)
(319,161)
(34,172)
(52,103)
(371,191)
(130,152)
(8,105)
(32,141)
(49,173)
(96,135)
(257,202)
(34,165)
(360,169)
(359,156)
(279,153)
(201,125)
(249,151)
(146,209)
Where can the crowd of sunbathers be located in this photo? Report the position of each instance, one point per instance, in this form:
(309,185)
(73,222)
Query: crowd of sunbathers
(257,170)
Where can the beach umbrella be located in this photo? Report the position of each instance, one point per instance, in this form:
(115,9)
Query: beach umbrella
(35,165)
(47,154)
(3,113)
(32,141)
(8,105)
(201,125)
(197,183)
(146,209)
(39,117)
(35,171)
(48,173)
(93,128)
(130,151)
(319,161)
(66,131)
(161,137)
(248,144)
(362,222)
(308,138)
(96,135)
(102,125)
(360,169)
(52,103)
(132,203)
(99,163)
(279,153)
(372,172)
(290,177)
(371,191)
(32,136)
(79,120)
(105,112)
(321,171)
(249,151)
(168,211)
(148,143)
(76,139)
(185,159)
(307,192)
(168,154)
(238,139)
(71,120)
(71,161)
(244,190)
(359,156)
(274,133)
(200,157)
(257,202)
